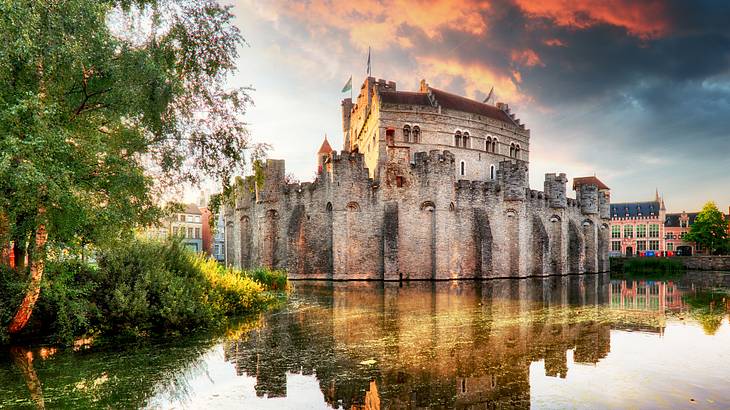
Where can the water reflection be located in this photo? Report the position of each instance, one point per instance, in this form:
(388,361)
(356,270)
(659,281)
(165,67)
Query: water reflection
(452,345)
(576,341)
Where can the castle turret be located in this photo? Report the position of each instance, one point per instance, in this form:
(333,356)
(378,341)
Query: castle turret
(273,181)
(346,114)
(324,154)
(555,190)
(592,195)
(513,179)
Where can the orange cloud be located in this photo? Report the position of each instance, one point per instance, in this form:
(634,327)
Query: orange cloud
(554,42)
(527,58)
(642,19)
(478,79)
(376,22)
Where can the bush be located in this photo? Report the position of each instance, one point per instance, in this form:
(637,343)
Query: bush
(657,266)
(138,288)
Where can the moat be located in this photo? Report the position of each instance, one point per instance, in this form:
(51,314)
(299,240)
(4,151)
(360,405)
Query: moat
(584,341)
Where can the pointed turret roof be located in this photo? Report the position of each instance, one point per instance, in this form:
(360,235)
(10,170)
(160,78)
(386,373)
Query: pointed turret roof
(325,148)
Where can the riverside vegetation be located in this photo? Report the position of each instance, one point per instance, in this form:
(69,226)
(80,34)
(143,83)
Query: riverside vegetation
(140,288)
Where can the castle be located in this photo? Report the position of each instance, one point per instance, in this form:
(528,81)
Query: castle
(430,185)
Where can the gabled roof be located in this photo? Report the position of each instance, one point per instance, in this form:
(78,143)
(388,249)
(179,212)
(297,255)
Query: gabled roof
(445,100)
(325,148)
(192,209)
(459,103)
(589,181)
(633,209)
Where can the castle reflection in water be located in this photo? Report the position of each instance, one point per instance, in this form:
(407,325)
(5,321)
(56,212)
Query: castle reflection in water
(444,344)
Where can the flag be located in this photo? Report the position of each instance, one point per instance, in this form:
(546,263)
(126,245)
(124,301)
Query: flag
(489,96)
(368,60)
(348,86)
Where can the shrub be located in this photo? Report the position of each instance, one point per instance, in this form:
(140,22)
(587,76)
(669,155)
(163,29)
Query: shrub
(660,266)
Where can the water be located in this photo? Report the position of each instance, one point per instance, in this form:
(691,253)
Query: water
(561,342)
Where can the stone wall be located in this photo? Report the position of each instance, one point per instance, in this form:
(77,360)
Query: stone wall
(415,222)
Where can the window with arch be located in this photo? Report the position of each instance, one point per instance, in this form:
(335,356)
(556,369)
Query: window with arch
(494,144)
(457,138)
(406,133)
(416,134)
(517,151)
(492,172)
(488,144)
(465,140)
(514,150)
(462,168)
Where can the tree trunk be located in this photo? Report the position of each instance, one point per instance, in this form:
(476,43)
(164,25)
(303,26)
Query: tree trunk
(37,265)
(23,358)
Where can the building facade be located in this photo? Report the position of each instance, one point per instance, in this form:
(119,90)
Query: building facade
(646,229)
(188,225)
(430,185)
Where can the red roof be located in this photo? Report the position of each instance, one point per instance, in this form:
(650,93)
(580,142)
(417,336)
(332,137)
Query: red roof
(463,104)
(325,148)
(589,181)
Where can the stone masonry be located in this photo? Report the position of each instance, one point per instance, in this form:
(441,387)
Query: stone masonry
(416,216)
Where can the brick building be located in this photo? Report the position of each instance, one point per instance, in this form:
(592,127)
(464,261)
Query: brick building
(646,229)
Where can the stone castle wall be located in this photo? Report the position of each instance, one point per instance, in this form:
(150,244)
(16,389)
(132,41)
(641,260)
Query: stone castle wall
(417,221)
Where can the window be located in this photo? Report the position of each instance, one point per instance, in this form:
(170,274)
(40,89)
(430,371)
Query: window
(494,145)
(616,246)
(465,140)
(416,134)
(628,231)
(197,233)
(406,133)
(190,233)
(182,218)
(514,150)
(653,245)
(488,144)
(457,139)
(463,168)
(641,231)
(654,231)
(517,151)
(640,245)
(670,246)
(190,218)
(174,230)
(491,172)
(615,231)
(197,218)
(399,181)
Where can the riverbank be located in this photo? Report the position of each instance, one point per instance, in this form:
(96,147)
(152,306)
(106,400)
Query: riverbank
(139,289)
(674,263)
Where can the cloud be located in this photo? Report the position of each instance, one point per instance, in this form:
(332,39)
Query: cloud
(646,19)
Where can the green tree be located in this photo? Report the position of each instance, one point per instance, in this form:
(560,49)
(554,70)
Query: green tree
(103,105)
(710,229)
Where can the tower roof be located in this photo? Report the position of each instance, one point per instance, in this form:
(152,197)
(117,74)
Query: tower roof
(325,148)
(589,180)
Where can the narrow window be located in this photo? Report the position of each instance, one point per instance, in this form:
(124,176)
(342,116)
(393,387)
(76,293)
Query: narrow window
(406,133)
(488,144)
(457,139)
(491,172)
(399,181)
(465,140)
(512,150)
(517,151)
(463,168)
(416,134)
(494,145)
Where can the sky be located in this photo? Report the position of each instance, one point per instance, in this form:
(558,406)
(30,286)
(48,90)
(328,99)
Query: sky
(637,93)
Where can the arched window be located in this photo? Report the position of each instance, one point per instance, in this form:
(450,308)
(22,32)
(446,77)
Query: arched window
(491,172)
(495,141)
(416,134)
(517,151)
(457,139)
(465,140)
(488,144)
(512,150)
(463,168)
(406,133)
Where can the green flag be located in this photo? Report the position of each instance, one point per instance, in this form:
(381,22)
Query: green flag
(348,85)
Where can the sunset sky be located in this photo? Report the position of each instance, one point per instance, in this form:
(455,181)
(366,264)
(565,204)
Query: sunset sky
(638,94)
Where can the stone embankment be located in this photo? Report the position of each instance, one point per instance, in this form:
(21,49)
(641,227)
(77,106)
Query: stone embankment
(710,263)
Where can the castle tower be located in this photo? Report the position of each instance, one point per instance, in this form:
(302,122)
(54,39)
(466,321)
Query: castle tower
(324,153)
(593,196)
(555,190)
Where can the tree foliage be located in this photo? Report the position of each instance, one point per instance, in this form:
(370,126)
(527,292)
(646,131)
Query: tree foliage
(104,104)
(710,229)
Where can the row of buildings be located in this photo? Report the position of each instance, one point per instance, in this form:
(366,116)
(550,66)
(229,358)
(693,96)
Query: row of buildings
(192,224)
(647,229)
